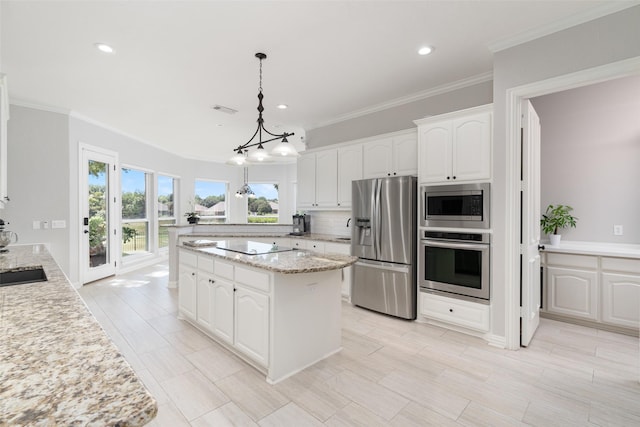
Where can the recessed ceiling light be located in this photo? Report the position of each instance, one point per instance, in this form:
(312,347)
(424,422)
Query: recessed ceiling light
(283,106)
(102,47)
(425,50)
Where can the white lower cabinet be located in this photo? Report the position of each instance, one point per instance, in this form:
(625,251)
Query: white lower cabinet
(573,292)
(468,314)
(188,282)
(252,324)
(204,300)
(222,307)
(344,249)
(600,289)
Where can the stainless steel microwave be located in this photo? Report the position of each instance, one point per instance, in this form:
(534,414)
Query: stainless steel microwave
(457,206)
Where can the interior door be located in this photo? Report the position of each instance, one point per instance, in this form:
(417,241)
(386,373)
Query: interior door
(99,236)
(530,286)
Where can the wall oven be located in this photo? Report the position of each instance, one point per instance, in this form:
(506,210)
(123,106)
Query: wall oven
(455,263)
(459,205)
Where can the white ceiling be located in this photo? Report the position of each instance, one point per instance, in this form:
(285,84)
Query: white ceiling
(326,59)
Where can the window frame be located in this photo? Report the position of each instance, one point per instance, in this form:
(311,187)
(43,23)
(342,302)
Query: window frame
(225,218)
(149,206)
(176,206)
(246,203)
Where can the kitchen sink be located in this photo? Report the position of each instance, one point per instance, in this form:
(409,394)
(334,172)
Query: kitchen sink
(18,277)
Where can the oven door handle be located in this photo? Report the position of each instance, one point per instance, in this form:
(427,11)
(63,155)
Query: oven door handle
(456,245)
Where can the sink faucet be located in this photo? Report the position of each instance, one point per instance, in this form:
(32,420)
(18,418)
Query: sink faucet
(348,221)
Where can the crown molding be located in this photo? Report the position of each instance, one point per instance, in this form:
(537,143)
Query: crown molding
(562,24)
(38,106)
(438,90)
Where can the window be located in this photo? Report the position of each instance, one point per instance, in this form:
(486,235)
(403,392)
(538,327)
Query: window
(263,208)
(135,219)
(166,208)
(210,201)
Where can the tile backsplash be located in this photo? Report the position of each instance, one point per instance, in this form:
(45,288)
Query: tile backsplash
(330,222)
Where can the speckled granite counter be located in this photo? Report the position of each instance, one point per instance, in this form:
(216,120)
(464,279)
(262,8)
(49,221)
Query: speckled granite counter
(292,262)
(595,248)
(309,236)
(57,365)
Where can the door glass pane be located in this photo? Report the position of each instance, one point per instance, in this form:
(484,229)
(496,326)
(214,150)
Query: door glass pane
(166,208)
(263,208)
(98,218)
(135,223)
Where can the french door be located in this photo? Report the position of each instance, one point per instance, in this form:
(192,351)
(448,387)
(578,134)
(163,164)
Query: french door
(98,221)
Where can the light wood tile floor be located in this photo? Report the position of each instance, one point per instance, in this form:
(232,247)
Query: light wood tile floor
(390,372)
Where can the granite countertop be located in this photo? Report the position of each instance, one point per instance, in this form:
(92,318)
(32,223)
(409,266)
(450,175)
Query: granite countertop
(57,365)
(595,248)
(309,236)
(291,262)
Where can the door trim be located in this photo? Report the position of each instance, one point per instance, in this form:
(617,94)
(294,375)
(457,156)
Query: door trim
(514,98)
(115,218)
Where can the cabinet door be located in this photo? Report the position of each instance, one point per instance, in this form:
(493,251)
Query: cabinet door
(573,292)
(621,299)
(204,301)
(344,249)
(349,169)
(327,178)
(307,181)
(222,309)
(187,284)
(252,324)
(405,155)
(377,158)
(472,148)
(435,152)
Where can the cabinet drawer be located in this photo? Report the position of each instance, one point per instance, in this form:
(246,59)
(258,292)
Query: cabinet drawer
(464,313)
(223,269)
(621,264)
(255,279)
(188,258)
(582,261)
(338,248)
(315,246)
(205,263)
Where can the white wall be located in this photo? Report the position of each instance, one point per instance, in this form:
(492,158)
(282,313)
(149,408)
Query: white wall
(590,157)
(38,178)
(400,117)
(43,177)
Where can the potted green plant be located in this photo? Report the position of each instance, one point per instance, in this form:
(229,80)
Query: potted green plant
(555,218)
(192,217)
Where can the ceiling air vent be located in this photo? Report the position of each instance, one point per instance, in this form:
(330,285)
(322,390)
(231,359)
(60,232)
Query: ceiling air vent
(224,109)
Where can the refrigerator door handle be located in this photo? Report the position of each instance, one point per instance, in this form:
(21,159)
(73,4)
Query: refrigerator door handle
(378,220)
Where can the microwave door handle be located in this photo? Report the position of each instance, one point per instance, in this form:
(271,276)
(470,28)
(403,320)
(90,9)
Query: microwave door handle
(455,245)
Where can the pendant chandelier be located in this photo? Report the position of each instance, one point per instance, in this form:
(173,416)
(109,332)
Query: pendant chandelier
(283,148)
(245,189)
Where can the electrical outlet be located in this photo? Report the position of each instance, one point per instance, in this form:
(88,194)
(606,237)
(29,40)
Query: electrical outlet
(36,225)
(617,230)
(45,224)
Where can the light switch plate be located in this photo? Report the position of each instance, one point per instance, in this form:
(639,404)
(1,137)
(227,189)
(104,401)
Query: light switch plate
(36,225)
(617,230)
(58,223)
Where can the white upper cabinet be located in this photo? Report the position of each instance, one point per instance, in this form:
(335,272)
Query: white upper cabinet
(391,156)
(455,147)
(349,169)
(318,179)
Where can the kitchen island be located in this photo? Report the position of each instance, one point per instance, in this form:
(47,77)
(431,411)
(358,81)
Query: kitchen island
(277,308)
(57,365)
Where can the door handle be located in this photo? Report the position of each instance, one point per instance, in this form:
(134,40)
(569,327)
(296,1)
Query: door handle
(86,231)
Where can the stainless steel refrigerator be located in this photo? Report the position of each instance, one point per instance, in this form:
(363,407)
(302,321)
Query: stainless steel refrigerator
(384,238)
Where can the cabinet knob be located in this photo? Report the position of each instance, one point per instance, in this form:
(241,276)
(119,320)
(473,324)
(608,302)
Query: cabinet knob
(394,173)
(448,177)
(451,310)
(193,274)
(454,177)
